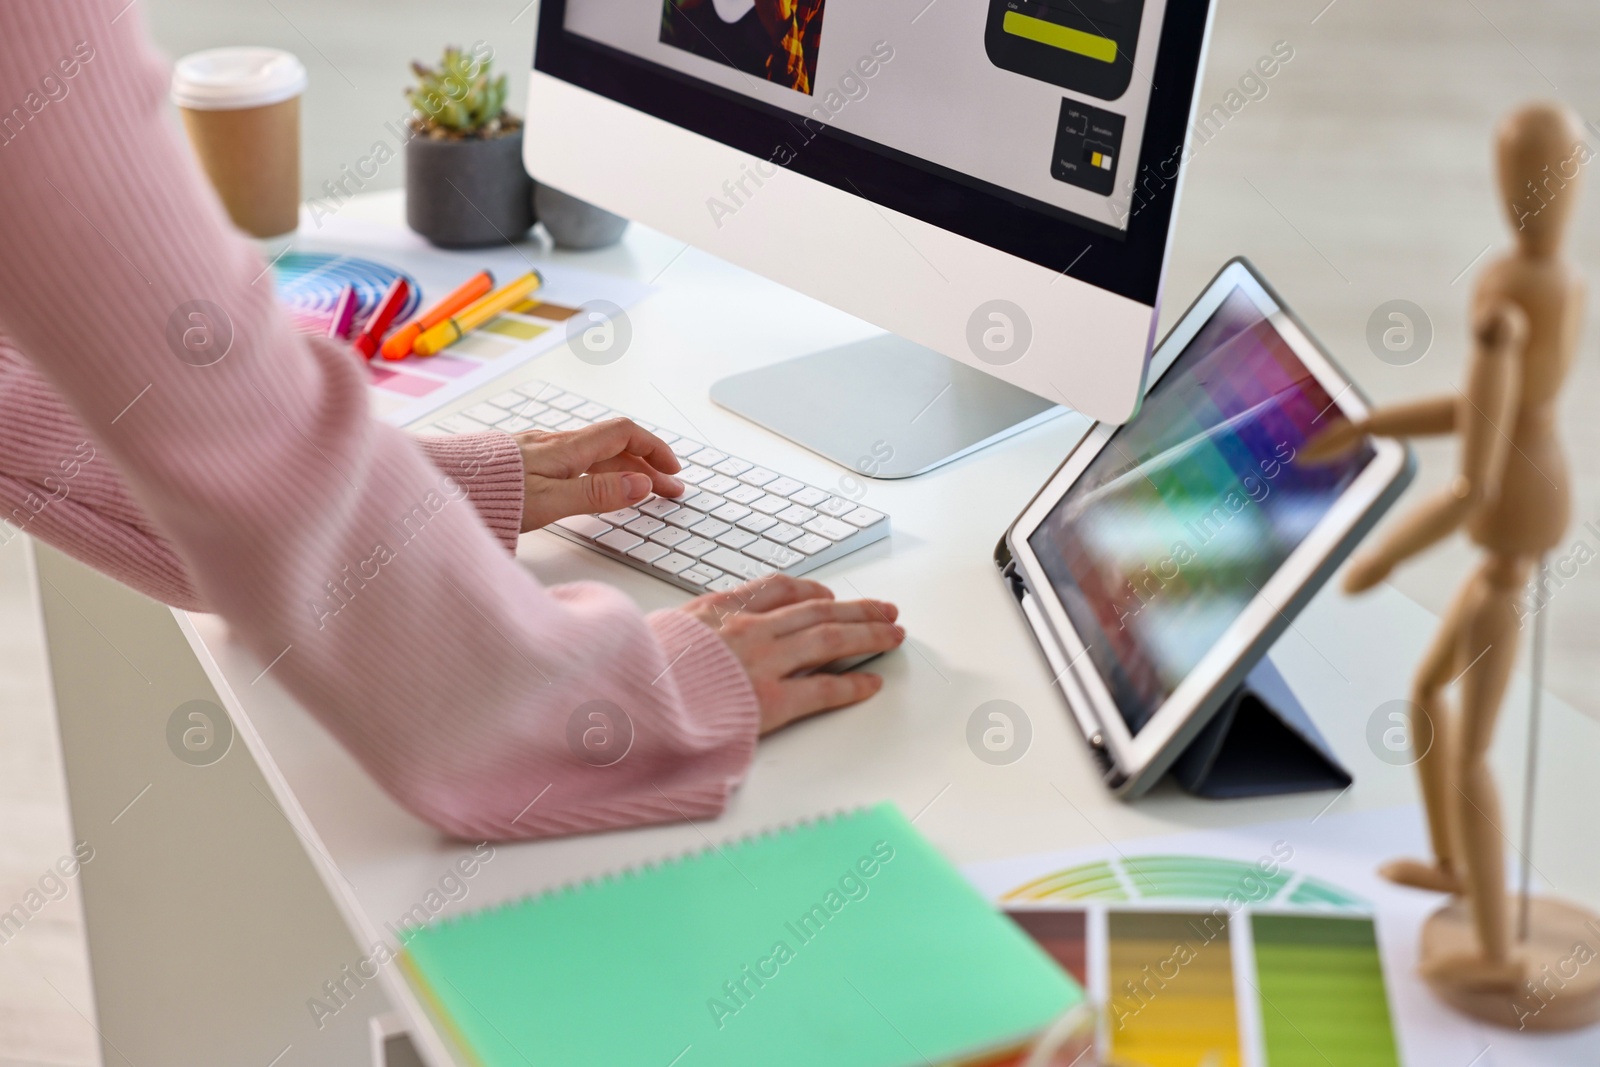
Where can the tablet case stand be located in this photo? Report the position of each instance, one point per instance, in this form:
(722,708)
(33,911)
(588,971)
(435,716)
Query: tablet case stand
(1260,743)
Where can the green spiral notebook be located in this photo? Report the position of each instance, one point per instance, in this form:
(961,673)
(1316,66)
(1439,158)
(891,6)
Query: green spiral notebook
(844,942)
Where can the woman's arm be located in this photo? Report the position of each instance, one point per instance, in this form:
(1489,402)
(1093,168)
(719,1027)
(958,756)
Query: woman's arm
(55,485)
(327,539)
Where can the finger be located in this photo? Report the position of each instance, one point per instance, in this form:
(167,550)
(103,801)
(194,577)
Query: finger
(665,484)
(794,617)
(823,692)
(614,437)
(766,594)
(554,499)
(817,645)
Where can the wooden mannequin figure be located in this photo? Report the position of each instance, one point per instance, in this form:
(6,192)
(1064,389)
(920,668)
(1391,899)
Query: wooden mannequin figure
(1512,497)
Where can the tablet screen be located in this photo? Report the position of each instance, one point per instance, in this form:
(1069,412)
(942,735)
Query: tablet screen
(1191,507)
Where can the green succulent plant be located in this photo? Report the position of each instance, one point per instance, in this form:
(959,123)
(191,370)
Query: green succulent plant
(459,98)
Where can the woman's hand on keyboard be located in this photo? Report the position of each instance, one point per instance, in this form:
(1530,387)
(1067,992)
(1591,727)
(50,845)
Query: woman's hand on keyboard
(780,627)
(607,466)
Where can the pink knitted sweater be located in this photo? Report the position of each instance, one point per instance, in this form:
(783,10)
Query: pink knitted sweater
(372,569)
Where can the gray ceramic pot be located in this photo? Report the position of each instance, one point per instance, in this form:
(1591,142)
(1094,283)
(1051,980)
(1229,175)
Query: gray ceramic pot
(574,223)
(468,193)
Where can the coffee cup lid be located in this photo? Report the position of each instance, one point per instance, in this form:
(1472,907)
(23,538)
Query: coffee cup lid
(227,79)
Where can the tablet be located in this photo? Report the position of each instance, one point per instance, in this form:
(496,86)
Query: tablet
(1165,555)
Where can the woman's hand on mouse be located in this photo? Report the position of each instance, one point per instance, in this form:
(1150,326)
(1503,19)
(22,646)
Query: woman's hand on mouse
(779,627)
(610,465)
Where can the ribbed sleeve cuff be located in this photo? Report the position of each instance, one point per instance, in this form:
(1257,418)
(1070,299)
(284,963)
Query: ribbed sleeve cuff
(489,467)
(715,692)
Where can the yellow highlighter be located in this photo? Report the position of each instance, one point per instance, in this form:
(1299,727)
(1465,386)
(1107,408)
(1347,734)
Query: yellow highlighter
(475,315)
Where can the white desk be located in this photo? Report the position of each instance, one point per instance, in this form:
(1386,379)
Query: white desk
(967,645)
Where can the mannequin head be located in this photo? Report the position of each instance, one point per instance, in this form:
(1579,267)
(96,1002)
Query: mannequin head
(1541,154)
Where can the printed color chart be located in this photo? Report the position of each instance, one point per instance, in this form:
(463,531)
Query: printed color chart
(1186,978)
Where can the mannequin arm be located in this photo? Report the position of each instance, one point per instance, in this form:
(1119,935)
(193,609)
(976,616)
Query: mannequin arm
(1484,411)
(1414,418)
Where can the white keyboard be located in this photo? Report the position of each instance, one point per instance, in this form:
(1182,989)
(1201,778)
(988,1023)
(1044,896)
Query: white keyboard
(737,521)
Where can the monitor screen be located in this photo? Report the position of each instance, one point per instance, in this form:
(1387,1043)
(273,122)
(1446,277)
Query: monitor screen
(1049,129)
(1192,507)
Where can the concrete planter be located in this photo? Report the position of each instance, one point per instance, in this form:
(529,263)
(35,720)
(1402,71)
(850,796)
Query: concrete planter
(468,193)
(576,224)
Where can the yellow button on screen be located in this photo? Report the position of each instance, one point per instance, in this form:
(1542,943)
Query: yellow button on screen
(1064,37)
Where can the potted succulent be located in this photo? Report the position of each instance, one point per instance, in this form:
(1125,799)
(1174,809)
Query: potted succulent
(465,183)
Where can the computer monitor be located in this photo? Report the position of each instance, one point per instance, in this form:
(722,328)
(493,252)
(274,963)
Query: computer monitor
(991,181)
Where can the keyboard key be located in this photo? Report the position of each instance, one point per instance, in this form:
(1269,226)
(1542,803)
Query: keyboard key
(769,553)
(709,457)
(644,526)
(709,527)
(784,486)
(810,544)
(672,562)
(724,584)
(564,402)
(686,448)
(584,526)
(757,476)
(530,408)
(696,547)
(700,574)
(591,411)
(486,413)
(573,424)
(550,392)
(783,533)
(808,497)
(736,564)
(796,514)
(769,505)
(647,552)
(658,507)
(670,536)
(736,539)
(832,529)
(719,483)
(531,390)
(666,436)
(744,494)
(516,424)
(621,540)
(756,522)
(684,517)
(550,418)
(693,474)
(863,517)
(836,507)
(511,400)
(620,517)
(731,512)
(460,424)
(707,502)
(732,467)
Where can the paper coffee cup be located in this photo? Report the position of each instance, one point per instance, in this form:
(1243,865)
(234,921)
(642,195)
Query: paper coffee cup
(241,107)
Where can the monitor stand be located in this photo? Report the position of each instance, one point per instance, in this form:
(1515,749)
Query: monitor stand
(884,407)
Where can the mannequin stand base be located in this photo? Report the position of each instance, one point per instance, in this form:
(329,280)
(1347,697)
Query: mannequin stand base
(1560,984)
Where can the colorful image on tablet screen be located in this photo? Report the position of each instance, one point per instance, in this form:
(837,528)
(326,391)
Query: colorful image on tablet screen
(1192,507)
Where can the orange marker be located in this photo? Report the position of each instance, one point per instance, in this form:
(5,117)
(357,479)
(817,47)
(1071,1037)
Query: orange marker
(399,345)
(448,332)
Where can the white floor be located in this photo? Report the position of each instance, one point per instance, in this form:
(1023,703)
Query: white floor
(1361,176)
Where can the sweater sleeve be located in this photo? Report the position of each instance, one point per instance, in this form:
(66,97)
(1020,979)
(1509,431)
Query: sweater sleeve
(52,486)
(347,561)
